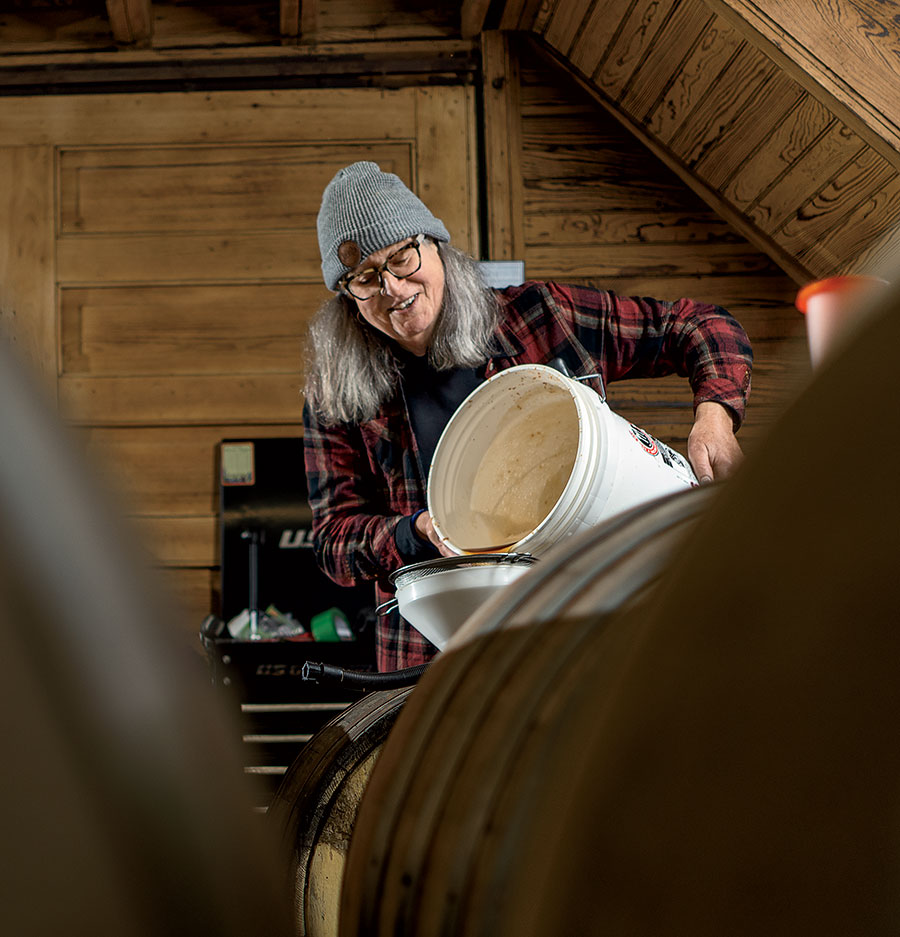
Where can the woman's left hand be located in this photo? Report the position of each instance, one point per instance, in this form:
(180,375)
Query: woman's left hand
(426,530)
(712,448)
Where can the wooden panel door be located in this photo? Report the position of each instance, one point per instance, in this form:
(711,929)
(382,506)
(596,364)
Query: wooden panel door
(160,262)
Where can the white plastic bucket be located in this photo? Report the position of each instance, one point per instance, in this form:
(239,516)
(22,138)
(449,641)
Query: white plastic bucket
(532,456)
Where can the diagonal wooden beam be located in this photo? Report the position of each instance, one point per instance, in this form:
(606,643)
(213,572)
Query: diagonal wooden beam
(472,16)
(519,14)
(131,21)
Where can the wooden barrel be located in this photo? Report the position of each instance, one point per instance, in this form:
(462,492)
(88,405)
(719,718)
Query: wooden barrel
(427,855)
(123,805)
(314,807)
(716,755)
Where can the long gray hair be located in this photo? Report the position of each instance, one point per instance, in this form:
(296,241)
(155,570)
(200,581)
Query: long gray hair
(350,369)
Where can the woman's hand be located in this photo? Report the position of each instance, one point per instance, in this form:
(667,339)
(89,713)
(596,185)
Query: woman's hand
(425,529)
(712,448)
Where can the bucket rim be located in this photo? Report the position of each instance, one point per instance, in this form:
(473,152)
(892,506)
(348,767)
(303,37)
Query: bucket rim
(412,572)
(583,398)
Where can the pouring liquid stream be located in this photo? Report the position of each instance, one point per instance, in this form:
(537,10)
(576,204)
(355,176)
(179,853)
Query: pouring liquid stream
(496,548)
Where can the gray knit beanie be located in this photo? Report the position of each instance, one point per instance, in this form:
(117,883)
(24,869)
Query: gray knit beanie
(364,210)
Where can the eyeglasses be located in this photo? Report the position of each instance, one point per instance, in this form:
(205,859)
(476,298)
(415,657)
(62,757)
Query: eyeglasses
(403,263)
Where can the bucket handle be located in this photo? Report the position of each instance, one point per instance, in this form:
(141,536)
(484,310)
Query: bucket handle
(599,377)
(559,365)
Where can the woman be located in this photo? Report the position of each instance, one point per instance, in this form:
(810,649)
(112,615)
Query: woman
(413,329)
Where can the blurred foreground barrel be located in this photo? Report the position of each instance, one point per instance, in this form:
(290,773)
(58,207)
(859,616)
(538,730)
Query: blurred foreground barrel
(718,755)
(432,844)
(314,808)
(123,806)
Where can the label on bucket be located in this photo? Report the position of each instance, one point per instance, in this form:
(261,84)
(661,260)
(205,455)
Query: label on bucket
(652,446)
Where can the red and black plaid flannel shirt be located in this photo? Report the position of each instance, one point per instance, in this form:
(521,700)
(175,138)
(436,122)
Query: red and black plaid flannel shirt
(363,478)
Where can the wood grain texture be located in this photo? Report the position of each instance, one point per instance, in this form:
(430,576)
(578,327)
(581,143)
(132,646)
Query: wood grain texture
(563,27)
(196,592)
(716,104)
(578,176)
(829,154)
(709,195)
(158,330)
(626,260)
(845,51)
(760,113)
(178,400)
(877,250)
(881,258)
(631,47)
(344,20)
(676,39)
(445,147)
(835,206)
(309,20)
(180,541)
(520,14)
(193,189)
(472,16)
(502,148)
(27,306)
(794,134)
(333,115)
(598,31)
(625,226)
(131,21)
(185,258)
(167,470)
(697,75)
(289,18)
(717,120)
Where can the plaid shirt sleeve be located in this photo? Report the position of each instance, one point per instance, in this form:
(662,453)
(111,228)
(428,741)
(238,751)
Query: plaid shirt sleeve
(631,337)
(353,519)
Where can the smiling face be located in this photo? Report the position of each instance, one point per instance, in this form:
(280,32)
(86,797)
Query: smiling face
(405,310)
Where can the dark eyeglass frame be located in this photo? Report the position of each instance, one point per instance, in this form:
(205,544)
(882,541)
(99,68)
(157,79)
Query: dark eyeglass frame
(414,242)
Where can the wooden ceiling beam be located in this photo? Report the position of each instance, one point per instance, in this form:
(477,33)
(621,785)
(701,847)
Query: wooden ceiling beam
(299,20)
(131,21)
(289,19)
(383,64)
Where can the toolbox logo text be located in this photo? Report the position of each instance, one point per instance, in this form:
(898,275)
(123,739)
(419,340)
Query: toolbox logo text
(296,540)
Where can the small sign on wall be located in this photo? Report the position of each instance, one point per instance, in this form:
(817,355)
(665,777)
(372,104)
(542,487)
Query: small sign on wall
(502,273)
(238,463)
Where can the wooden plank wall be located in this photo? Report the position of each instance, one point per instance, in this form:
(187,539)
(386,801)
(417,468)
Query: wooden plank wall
(164,262)
(599,208)
(781,157)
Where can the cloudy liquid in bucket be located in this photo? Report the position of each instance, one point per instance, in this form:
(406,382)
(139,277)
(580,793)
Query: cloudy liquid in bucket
(524,469)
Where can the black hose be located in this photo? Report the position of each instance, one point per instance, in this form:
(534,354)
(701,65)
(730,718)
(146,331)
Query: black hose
(327,673)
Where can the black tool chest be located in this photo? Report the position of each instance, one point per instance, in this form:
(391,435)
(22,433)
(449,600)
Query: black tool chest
(269,575)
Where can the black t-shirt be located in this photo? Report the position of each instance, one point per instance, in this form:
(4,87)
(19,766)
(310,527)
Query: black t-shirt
(432,397)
